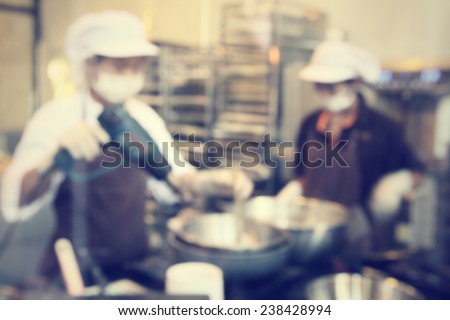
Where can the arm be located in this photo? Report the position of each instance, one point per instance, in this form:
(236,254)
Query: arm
(30,182)
(21,176)
(81,140)
(401,154)
(406,158)
(184,177)
(36,182)
(405,172)
(25,189)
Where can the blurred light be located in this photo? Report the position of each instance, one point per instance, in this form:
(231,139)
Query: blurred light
(58,72)
(312,15)
(220,51)
(391,282)
(274,55)
(385,76)
(430,75)
(147,21)
(57,69)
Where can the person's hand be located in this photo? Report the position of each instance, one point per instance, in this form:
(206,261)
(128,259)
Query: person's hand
(222,182)
(388,193)
(291,190)
(83,141)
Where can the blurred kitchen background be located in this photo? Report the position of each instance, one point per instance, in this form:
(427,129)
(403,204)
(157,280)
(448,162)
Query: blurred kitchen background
(228,70)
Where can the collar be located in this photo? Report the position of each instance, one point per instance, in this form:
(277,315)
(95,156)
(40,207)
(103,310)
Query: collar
(91,108)
(361,116)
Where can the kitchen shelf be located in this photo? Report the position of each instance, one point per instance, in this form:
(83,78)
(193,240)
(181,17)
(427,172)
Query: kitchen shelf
(257,42)
(181,89)
(271,22)
(234,91)
(260,42)
(151,100)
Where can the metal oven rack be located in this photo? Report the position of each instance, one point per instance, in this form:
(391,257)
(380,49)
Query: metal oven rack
(261,45)
(180,87)
(243,88)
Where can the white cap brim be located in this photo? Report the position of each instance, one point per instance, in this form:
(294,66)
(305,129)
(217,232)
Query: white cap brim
(125,49)
(327,74)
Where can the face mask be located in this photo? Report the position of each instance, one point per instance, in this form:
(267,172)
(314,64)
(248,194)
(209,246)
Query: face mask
(340,101)
(118,88)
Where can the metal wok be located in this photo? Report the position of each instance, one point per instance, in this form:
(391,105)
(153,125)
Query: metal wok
(220,231)
(317,226)
(212,238)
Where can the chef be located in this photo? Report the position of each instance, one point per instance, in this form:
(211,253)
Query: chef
(361,159)
(109,54)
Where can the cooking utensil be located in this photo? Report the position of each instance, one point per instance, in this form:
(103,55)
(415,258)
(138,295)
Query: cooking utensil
(213,238)
(239,217)
(218,231)
(316,226)
(70,269)
(236,264)
(356,286)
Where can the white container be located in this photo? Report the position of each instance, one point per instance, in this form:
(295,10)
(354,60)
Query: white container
(195,278)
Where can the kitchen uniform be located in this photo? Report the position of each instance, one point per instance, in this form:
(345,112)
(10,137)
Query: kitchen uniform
(376,147)
(111,200)
(105,213)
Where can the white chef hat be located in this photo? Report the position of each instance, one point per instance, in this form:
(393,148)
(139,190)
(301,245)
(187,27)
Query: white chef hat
(109,33)
(336,61)
(117,34)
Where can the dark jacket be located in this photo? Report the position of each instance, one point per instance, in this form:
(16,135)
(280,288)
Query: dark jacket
(382,146)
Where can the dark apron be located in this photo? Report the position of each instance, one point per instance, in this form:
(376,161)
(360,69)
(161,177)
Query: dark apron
(334,183)
(341,185)
(112,209)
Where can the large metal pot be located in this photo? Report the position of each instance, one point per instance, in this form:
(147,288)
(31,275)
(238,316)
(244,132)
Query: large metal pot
(317,226)
(212,238)
(347,286)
